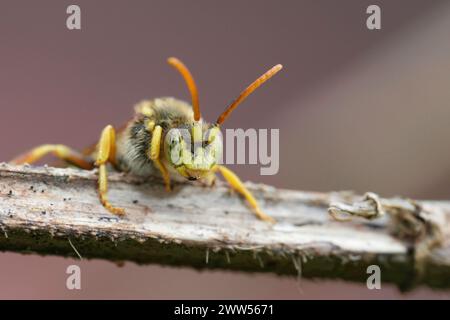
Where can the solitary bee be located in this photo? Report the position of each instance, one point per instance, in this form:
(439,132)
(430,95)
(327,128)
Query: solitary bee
(146,144)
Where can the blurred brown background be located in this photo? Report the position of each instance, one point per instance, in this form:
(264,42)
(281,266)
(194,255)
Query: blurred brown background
(357,109)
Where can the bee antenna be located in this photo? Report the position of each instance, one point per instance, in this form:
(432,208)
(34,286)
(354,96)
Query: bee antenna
(244,94)
(177,64)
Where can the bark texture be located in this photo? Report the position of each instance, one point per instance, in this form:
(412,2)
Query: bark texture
(53,211)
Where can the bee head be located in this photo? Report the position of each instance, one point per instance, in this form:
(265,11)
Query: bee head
(194,150)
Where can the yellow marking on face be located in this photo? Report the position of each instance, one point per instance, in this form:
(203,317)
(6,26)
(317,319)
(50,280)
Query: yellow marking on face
(197,133)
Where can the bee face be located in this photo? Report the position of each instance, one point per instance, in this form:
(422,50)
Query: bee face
(194,150)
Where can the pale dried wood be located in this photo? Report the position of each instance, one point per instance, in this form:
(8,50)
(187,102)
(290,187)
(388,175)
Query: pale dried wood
(42,208)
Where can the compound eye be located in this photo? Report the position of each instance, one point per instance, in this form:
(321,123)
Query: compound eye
(174,140)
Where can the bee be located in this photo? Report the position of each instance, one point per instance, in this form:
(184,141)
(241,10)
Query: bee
(146,144)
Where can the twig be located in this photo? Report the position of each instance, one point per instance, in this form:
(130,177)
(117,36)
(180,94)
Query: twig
(41,208)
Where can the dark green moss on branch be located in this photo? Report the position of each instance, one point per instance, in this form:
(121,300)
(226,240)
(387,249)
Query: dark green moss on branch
(154,251)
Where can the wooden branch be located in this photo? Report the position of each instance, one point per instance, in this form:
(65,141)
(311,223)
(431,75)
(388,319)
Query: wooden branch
(52,211)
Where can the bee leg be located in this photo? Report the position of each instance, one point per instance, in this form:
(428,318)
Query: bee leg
(237,185)
(106,154)
(61,151)
(155,147)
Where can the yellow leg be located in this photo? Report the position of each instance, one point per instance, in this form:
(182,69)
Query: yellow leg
(59,150)
(237,185)
(106,153)
(155,147)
